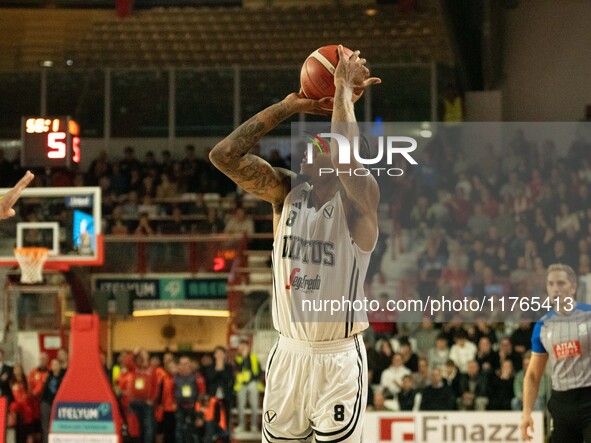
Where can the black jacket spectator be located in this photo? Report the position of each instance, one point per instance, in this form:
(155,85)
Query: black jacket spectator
(438,396)
(5,376)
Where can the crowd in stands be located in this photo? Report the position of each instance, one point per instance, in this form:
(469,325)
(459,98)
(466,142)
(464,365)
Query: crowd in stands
(162,195)
(480,228)
(176,399)
(454,366)
(30,396)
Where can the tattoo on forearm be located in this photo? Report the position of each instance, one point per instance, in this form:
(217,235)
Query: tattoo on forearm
(247,135)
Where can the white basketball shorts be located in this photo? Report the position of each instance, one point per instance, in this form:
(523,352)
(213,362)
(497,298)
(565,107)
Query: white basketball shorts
(315,391)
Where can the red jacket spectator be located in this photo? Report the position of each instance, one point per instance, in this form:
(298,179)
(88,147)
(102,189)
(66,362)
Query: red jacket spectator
(23,404)
(37,379)
(143,382)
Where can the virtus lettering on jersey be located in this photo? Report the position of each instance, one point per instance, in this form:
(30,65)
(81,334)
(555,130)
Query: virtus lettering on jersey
(317,252)
(387,146)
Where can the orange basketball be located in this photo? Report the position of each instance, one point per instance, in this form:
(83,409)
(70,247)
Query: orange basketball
(317,74)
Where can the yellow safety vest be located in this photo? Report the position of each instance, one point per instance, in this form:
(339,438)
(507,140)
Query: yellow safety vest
(452,110)
(244,376)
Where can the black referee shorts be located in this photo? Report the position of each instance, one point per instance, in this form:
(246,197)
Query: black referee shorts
(571,413)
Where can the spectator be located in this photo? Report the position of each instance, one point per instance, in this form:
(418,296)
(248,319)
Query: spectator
(473,389)
(490,206)
(220,381)
(37,379)
(143,391)
(503,268)
(430,266)
(119,181)
(506,352)
(5,375)
(543,391)
(166,188)
(439,355)
(148,206)
(239,223)
(175,225)
(136,183)
(461,208)
(148,187)
(214,419)
(167,402)
(247,384)
(521,337)
(421,217)
(384,357)
(383,321)
(426,336)
(116,225)
(422,377)
(409,358)
(22,406)
(129,162)
(462,351)
(567,219)
(52,384)
(150,165)
(502,387)
(380,404)
(391,379)
(213,224)
(438,396)
(144,227)
(64,359)
(479,222)
(486,357)
(408,395)
(504,222)
(187,389)
(455,276)
(453,377)
(483,329)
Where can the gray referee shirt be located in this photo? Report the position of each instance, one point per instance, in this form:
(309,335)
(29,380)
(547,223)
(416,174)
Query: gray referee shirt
(566,339)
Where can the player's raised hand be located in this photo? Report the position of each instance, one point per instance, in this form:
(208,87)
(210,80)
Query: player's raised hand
(8,200)
(527,423)
(300,103)
(352,72)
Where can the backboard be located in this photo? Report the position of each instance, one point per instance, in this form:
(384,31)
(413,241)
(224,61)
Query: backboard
(65,220)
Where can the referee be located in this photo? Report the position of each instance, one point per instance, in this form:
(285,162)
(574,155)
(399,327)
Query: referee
(563,337)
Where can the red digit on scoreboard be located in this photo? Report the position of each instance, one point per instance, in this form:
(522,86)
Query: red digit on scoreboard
(56,144)
(76,148)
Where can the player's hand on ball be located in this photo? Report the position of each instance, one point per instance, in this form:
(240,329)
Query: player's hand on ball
(300,103)
(527,423)
(9,199)
(352,72)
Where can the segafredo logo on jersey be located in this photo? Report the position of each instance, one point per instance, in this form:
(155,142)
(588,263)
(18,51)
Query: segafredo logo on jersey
(304,283)
(387,148)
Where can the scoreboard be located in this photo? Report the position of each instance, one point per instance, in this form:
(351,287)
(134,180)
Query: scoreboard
(50,142)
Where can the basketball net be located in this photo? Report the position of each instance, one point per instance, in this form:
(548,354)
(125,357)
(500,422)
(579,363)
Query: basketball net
(31,261)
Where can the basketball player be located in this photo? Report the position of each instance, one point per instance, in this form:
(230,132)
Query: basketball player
(8,200)
(563,337)
(317,371)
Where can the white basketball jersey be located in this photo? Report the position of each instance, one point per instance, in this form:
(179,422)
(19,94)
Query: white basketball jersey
(315,265)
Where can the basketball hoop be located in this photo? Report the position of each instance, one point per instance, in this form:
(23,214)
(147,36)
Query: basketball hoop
(31,261)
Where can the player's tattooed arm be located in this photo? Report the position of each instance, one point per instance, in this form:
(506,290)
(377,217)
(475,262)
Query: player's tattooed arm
(249,171)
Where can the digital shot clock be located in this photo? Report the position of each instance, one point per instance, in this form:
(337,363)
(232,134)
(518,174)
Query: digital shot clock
(50,142)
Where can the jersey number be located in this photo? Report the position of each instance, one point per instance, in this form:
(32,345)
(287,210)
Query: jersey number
(291,218)
(339,413)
